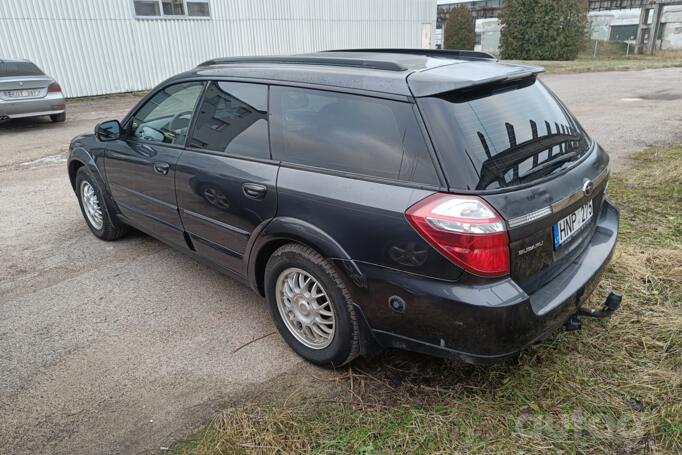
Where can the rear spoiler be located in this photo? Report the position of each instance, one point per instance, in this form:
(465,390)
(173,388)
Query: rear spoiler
(468,74)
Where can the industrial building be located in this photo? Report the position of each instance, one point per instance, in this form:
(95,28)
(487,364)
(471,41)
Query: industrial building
(95,47)
(610,20)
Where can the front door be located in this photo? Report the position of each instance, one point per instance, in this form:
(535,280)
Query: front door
(226,181)
(141,166)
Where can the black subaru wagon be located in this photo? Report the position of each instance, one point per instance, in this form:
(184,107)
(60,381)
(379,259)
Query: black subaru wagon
(436,201)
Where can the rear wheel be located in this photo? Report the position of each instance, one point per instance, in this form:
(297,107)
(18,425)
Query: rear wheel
(94,209)
(58,118)
(311,306)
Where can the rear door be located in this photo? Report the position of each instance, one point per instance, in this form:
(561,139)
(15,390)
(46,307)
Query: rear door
(140,167)
(226,179)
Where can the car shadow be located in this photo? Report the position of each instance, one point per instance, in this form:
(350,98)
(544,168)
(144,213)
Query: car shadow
(394,375)
(20,125)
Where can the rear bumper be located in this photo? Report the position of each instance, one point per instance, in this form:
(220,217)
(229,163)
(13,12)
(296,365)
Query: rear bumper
(481,323)
(52,103)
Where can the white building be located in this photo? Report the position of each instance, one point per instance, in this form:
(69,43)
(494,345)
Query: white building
(605,25)
(621,25)
(95,47)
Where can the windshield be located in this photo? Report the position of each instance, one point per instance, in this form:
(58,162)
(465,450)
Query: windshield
(13,69)
(511,135)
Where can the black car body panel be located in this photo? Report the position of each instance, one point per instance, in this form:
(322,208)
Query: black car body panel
(532,267)
(482,322)
(232,205)
(142,194)
(366,218)
(217,212)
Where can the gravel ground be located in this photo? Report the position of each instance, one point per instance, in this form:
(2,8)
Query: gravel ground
(125,347)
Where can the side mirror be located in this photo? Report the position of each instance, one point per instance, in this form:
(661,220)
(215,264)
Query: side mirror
(108,131)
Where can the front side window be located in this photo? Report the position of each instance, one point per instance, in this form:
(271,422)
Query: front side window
(166,116)
(233,119)
(171,8)
(349,133)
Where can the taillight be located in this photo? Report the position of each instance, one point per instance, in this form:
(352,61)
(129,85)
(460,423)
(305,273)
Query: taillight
(465,229)
(54,87)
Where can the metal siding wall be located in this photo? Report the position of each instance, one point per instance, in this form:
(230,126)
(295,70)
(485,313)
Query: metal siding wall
(94,47)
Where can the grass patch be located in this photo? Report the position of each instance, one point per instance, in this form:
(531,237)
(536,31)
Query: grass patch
(614,387)
(612,62)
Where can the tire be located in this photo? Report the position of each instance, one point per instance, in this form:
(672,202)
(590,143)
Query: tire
(58,118)
(102,226)
(289,260)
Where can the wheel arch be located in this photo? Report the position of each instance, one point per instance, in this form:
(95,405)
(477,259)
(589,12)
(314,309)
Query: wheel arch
(73,167)
(79,157)
(281,231)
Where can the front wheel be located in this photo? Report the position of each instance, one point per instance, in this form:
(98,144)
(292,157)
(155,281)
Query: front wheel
(94,209)
(310,306)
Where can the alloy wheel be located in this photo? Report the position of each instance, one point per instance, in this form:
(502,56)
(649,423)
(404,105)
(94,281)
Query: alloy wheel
(305,308)
(91,205)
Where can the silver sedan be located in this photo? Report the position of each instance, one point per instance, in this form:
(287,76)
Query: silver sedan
(25,91)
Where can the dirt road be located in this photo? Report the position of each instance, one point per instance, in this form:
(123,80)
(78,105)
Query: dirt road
(125,347)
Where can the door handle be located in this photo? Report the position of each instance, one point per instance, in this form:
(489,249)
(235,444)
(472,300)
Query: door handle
(161,168)
(254,190)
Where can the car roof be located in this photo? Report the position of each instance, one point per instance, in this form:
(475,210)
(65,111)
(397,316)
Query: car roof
(407,72)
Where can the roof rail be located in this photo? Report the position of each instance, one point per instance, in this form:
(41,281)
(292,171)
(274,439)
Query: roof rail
(438,53)
(311,60)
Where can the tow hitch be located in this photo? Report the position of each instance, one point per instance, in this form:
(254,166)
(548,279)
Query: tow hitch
(611,304)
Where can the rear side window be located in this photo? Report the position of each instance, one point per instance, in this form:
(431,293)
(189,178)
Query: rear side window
(511,135)
(12,69)
(349,133)
(233,119)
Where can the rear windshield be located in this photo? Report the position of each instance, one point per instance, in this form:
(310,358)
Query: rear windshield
(510,135)
(12,69)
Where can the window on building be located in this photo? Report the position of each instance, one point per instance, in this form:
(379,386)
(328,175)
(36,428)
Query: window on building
(147,8)
(349,133)
(623,32)
(171,8)
(198,9)
(233,119)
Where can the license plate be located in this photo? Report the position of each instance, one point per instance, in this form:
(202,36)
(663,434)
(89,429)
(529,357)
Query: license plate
(572,224)
(22,93)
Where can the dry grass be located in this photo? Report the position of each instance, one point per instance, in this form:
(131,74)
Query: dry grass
(614,387)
